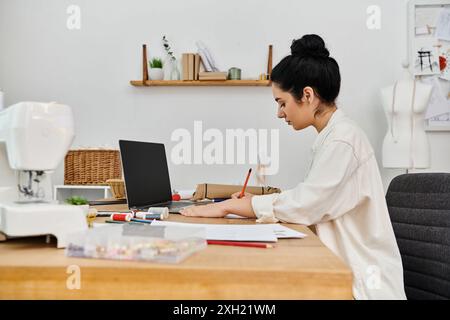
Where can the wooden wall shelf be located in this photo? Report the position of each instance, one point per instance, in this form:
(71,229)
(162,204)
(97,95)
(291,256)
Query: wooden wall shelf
(208,83)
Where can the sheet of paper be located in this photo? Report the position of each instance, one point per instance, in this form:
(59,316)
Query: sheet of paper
(438,103)
(234,216)
(420,31)
(426,59)
(282,232)
(427,17)
(440,121)
(443,25)
(444,53)
(230,232)
(99,225)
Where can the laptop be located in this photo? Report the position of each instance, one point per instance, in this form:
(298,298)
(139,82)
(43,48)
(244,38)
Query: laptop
(146,175)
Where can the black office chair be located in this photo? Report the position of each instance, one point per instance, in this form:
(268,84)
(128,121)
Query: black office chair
(419,206)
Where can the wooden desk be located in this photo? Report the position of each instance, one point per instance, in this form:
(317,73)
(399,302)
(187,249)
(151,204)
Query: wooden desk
(294,269)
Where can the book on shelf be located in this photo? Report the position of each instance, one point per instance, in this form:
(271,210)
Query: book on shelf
(212,76)
(188,62)
(191,66)
(204,60)
(196,66)
(185,65)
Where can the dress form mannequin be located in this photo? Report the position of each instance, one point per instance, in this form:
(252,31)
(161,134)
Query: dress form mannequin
(406,143)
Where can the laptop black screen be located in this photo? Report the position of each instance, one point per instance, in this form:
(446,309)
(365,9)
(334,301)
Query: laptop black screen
(145,172)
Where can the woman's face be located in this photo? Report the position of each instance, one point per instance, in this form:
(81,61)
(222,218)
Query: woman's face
(298,114)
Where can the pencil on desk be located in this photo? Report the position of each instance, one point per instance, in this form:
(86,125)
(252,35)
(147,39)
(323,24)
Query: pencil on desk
(240,244)
(245,183)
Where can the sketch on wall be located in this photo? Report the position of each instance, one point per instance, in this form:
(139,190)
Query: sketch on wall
(429,40)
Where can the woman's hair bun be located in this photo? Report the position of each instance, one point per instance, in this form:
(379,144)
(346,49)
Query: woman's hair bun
(310,45)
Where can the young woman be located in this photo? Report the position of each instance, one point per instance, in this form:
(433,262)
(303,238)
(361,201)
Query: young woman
(342,194)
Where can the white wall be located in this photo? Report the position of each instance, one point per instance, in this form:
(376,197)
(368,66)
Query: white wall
(90,69)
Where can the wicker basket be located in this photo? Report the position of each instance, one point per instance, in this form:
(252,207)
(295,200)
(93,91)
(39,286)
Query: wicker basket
(117,188)
(92,166)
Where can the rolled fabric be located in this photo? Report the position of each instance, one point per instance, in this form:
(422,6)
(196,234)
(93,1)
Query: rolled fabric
(211,191)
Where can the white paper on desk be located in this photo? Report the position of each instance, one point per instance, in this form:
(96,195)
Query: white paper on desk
(282,232)
(234,216)
(438,103)
(230,232)
(99,225)
(443,25)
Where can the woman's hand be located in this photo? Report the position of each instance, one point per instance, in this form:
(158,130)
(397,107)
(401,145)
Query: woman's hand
(214,210)
(246,195)
(242,207)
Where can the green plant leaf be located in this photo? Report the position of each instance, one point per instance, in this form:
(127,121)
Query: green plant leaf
(156,63)
(77,200)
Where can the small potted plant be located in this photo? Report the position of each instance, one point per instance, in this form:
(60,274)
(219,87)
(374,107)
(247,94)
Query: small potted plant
(83,203)
(156,71)
(79,201)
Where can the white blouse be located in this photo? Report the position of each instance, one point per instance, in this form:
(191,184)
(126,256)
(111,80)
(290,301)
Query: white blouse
(344,197)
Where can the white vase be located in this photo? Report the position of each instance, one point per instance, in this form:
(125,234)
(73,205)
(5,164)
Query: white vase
(156,74)
(167,68)
(175,73)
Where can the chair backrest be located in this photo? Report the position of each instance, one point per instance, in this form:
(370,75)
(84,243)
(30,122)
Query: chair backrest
(419,206)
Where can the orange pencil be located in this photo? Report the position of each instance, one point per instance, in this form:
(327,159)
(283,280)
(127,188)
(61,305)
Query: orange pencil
(245,184)
(241,244)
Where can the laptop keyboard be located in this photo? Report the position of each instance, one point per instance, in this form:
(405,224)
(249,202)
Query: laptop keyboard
(170,205)
(174,205)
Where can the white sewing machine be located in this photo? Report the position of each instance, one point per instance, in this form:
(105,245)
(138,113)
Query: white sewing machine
(34,138)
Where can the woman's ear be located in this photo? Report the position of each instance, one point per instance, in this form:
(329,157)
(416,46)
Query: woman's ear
(308,94)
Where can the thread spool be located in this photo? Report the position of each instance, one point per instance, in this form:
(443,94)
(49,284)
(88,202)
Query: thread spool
(163,211)
(149,216)
(121,217)
(234,74)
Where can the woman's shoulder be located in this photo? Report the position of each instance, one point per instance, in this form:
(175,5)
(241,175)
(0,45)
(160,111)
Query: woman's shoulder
(346,128)
(347,131)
